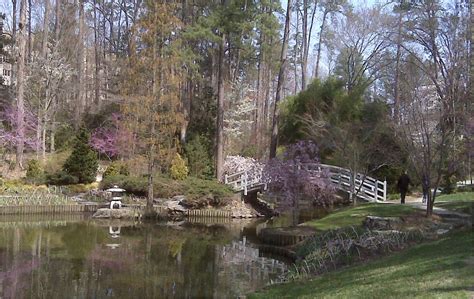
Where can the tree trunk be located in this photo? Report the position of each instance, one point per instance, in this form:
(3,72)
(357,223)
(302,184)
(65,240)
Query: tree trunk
(57,20)
(81,93)
(318,55)
(44,46)
(307,32)
(52,146)
(97,60)
(21,84)
(151,169)
(220,111)
(281,80)
(304,58)
(396,93)
(29,30)
(14,8)
(258,125)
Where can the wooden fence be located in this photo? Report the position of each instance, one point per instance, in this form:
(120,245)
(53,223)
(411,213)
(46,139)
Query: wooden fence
(47,209)
(208,214)
(70,209)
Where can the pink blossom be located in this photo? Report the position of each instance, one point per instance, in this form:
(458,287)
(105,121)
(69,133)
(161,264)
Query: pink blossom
(9,131)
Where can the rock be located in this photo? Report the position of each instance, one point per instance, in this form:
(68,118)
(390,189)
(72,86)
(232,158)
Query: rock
(382,223)
(175,208)
(123,213)
(199,203)
(442,231)
(178,198)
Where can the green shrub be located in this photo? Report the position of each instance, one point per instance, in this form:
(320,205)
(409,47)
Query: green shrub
(34,172)
(79,188)
(61,178)
(164,187)
(134,185)
(199,160)
(179,170)
(82,163)
(448,183)
(196,188)
(116,168)
(112,170)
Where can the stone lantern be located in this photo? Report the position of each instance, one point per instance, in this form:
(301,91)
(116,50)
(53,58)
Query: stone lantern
(116,200)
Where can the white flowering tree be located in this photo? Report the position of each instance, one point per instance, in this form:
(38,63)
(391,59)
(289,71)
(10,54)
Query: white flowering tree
(239,116)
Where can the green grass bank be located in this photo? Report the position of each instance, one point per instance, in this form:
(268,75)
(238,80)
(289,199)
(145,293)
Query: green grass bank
(353,216)
(459,202)
(439,269)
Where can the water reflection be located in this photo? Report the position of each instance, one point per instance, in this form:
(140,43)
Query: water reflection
(82,258)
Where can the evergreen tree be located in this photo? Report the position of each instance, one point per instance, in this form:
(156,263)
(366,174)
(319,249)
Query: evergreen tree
(82,163)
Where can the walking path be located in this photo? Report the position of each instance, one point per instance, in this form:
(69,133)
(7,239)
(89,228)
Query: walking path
(447,215)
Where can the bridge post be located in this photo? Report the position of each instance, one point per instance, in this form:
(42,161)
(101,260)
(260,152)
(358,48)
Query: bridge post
(385,190)
(244,182)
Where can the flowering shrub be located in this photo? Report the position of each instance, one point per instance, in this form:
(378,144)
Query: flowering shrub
(296,176)
(113,139)
(10,135)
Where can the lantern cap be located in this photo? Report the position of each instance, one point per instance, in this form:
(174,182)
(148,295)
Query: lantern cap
(115,189)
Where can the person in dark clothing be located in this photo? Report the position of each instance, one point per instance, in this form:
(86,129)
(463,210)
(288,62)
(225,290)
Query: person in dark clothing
(403,183)
(424,187)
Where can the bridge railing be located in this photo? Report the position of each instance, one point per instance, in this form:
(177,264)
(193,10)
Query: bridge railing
(242,181)
(365,187)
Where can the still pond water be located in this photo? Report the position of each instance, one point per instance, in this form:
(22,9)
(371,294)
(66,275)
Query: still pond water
(77,257)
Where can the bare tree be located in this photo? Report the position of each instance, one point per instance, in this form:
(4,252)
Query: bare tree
(432,116)
(21,62)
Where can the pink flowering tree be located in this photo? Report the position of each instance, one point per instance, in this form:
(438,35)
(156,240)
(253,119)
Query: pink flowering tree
(113,139)
(295,176)
(10,135)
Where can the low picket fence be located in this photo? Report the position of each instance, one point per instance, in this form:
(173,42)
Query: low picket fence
(208,214)
(47,209)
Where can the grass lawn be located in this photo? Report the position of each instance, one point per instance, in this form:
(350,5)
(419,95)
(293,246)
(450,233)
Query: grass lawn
(460,202)
(440,269)
(353,216)
(461,196)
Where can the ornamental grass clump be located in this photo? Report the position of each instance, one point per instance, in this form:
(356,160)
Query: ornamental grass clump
(335,248)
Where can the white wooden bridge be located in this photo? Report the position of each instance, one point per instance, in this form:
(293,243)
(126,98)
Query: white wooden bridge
(366,188)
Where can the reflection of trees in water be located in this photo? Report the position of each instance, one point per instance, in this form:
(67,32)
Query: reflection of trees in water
(242,269)
(149,261)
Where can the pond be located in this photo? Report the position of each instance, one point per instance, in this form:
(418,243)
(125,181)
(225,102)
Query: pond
(77,257)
